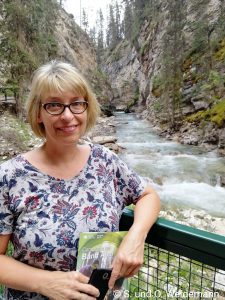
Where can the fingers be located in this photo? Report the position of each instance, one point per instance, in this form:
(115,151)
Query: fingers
(115,273)
(133,272)
(84,297)
(124,267)
(81,282)
(69,286)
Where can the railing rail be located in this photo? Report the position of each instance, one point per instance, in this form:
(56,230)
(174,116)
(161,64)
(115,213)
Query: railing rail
(203,246)
(180,262)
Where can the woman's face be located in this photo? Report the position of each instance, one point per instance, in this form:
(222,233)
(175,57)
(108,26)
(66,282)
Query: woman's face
(67,127)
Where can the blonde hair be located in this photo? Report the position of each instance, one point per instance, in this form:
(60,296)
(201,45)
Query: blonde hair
(57,76)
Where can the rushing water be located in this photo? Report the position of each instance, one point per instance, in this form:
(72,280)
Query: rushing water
(183,175)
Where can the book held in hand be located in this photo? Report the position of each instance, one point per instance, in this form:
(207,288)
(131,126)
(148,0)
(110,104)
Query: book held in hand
(96,250)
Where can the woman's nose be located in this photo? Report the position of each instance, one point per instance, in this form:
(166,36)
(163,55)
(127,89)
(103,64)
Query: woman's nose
(67,114)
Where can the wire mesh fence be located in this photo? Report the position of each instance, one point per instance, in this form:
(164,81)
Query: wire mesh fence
(166,275)
(180,262)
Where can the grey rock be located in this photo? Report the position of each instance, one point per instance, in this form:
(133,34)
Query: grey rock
(199,105)
(221,143)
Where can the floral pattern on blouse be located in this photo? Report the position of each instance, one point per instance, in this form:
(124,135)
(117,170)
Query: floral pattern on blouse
(45,215)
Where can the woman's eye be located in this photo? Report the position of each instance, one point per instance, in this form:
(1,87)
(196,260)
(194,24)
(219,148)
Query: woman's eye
(77,104)
(54,105)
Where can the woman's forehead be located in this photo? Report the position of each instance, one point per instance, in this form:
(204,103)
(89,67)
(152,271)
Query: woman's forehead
(61,94)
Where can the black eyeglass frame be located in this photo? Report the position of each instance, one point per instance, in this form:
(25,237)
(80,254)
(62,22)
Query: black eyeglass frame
(44,105)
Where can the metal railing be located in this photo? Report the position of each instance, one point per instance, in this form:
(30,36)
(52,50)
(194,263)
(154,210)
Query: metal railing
(180,262)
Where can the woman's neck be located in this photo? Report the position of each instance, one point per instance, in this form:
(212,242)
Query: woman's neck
(60,154)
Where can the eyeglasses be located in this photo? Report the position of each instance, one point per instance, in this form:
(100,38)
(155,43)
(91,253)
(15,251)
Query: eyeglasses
(57,108)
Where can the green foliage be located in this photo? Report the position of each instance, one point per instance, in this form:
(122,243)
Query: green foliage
(9,253)
(27,39)
(99,74)
(144,48)
(157,106)
(165,273)
(114,29)
(215,114)
(220,51)
(157,85)
(214,84)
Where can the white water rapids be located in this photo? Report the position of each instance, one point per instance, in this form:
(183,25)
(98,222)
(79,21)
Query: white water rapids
(183,175)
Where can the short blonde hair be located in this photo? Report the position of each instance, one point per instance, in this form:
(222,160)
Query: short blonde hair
(58,76)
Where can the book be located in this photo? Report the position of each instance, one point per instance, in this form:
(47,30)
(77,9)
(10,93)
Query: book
(96,250)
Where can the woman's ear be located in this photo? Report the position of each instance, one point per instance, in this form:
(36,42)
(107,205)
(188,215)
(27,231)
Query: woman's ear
(39,118)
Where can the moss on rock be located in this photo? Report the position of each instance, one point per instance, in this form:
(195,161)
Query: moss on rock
(215,114)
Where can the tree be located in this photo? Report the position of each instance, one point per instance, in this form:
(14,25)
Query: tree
(173,57)
(26,40)
(138,9)
(61,2)
(112,30)
(100,35)
(84,22)
(203,28)
(128,20)
(92,34)
(220,24)
(118,22)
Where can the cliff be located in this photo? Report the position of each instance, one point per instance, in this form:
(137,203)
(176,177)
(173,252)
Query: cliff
(53,34)
(75,46)
(173,71)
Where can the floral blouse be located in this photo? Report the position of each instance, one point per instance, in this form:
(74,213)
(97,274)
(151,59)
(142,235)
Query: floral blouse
(45,214)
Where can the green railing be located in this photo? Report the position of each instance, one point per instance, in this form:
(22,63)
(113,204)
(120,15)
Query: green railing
(180,262)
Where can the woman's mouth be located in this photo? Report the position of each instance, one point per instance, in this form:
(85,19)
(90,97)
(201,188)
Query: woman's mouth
(68,129)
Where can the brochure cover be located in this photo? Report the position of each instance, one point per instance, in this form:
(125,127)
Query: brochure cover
(97,250)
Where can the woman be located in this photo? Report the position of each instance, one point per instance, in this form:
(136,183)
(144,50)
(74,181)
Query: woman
(51,194)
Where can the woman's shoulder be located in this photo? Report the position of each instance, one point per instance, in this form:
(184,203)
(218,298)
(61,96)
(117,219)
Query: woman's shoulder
(9,166)
(100,151)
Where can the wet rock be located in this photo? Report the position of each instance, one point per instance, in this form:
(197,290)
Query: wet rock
(221,133)
(222,181)
(196,218)
(211,134)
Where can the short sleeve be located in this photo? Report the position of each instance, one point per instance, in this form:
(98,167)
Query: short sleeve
(128,184)
(6,217)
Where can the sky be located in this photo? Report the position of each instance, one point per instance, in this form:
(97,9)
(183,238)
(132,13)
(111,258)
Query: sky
(91,6)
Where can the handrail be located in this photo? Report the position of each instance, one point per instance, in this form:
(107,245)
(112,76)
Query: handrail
(200,245)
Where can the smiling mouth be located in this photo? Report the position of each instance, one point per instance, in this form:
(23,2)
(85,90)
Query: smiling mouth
(68,129)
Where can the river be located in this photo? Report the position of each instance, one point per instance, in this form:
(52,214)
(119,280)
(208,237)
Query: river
(184,176)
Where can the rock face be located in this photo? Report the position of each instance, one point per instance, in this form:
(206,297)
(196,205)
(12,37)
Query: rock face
(75,46)
(124,73)
(134,71)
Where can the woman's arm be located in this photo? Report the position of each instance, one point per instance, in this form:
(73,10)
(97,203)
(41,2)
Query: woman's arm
(55,285)
(130,254)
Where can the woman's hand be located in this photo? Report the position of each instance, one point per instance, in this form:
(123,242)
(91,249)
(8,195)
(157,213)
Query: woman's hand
(68,286)
(130,254)
(129,257)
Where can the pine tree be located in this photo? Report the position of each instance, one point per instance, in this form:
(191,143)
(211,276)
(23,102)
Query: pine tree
(118,22)
(112,30)
(92,34)
(128,20)
(100,37)
(220,24)
(26,40)
(84,22)
(202,29)
(138,9)
(173,57)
